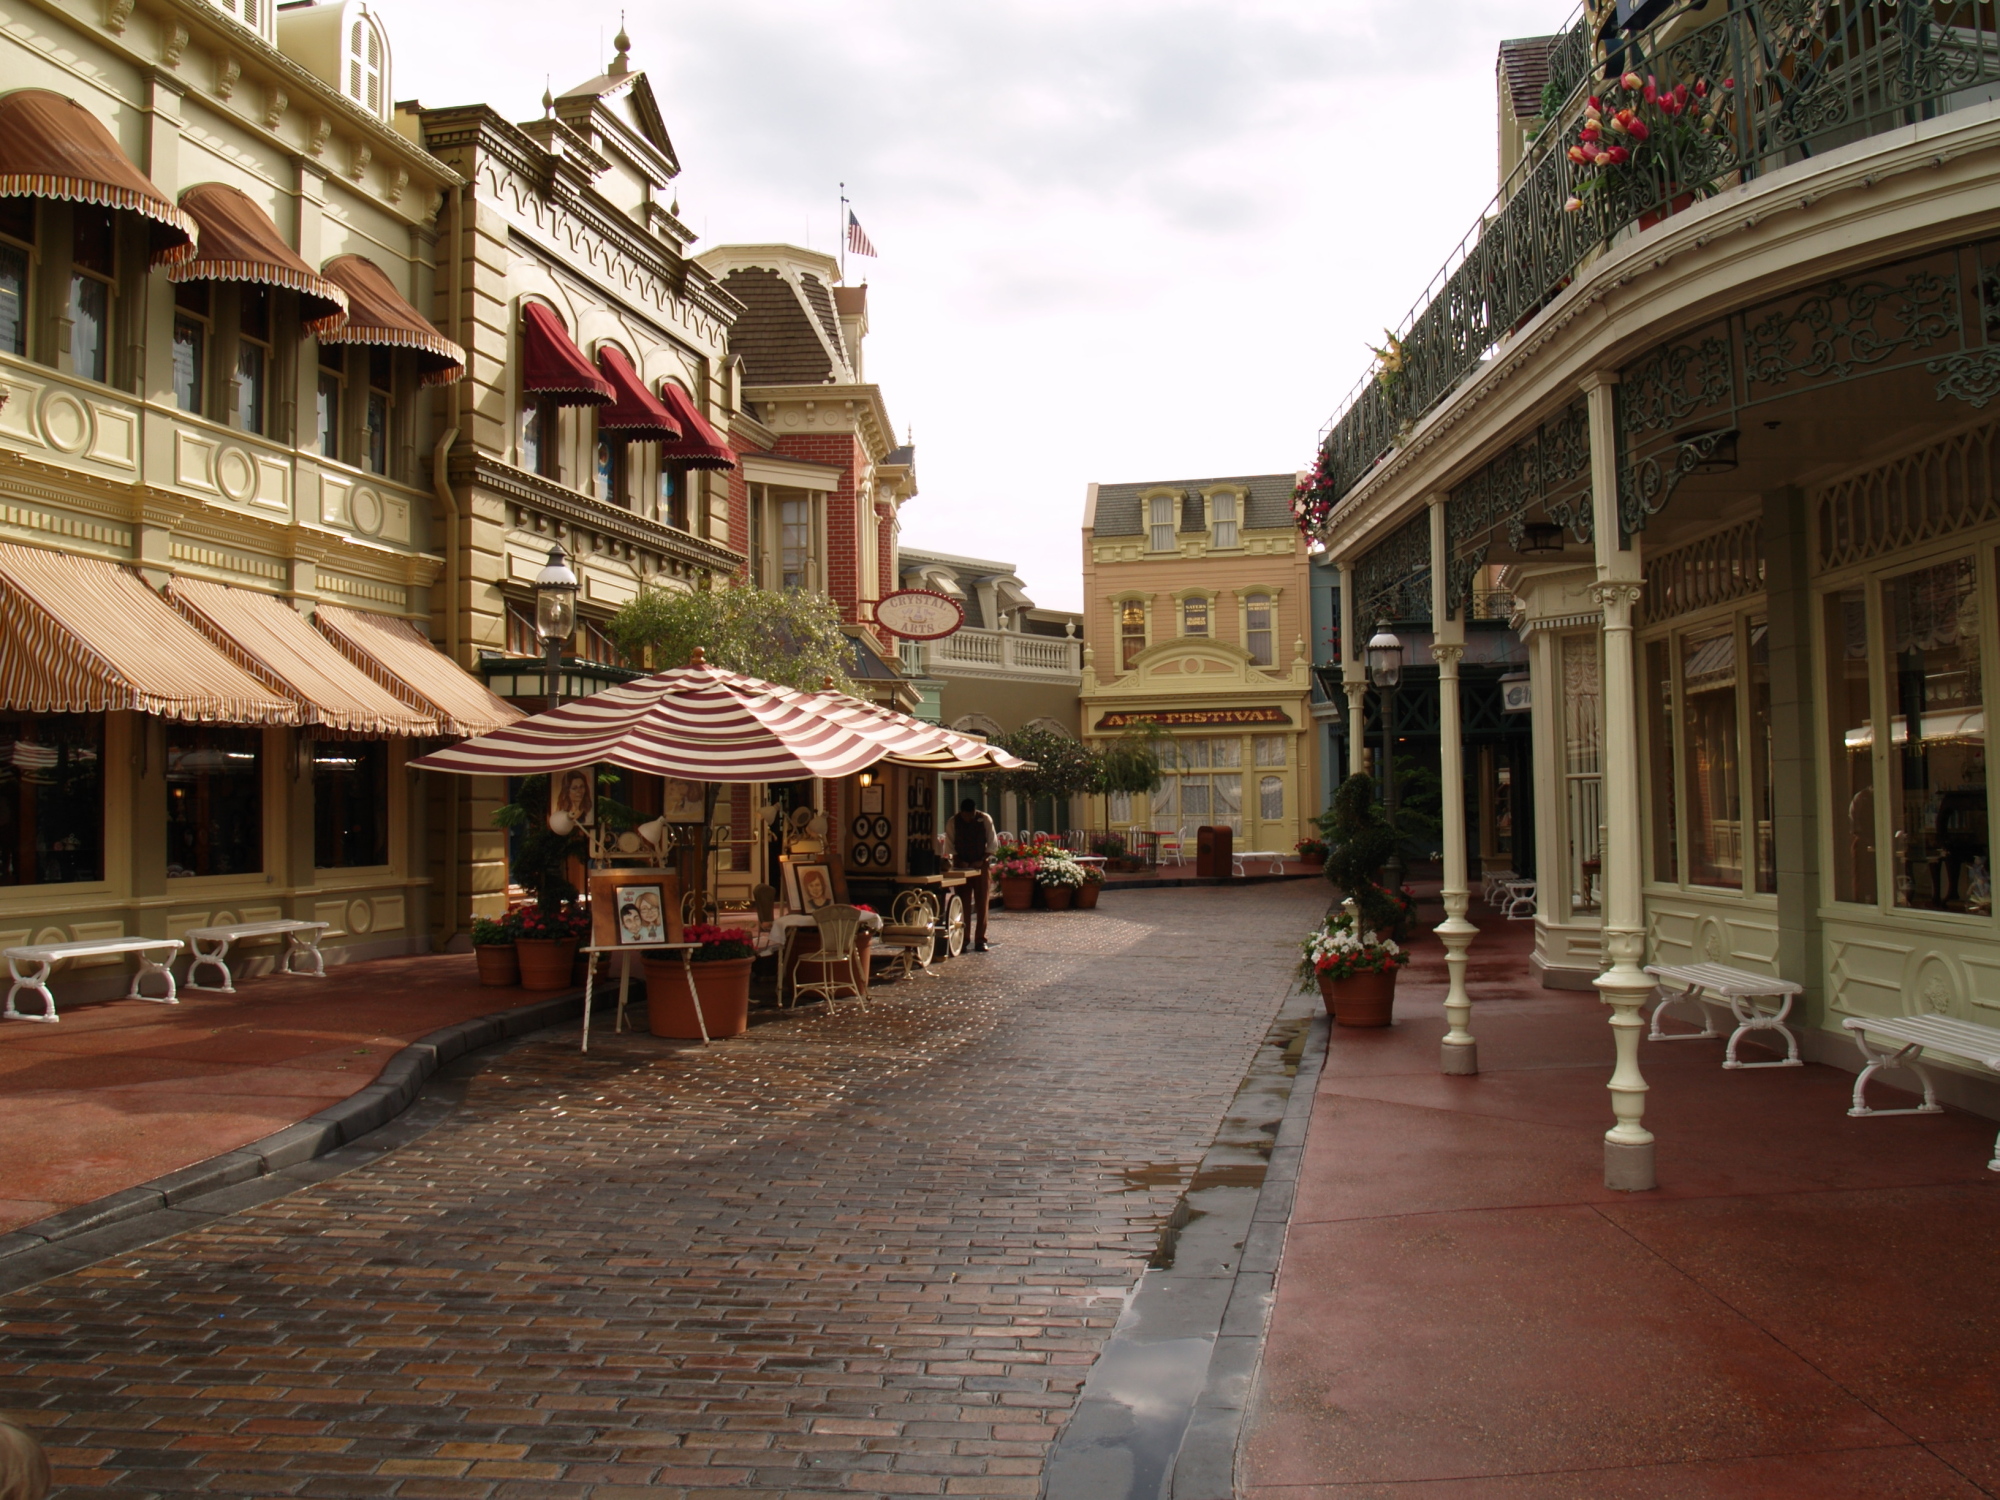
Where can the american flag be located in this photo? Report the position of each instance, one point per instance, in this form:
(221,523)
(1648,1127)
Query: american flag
(857,237)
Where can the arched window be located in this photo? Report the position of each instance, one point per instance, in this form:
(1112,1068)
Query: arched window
(367,64)
(1131,632)
(1257,629)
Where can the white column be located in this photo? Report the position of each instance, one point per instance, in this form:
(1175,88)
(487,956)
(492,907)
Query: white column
(1459,1053)
(1628,1145)
(1351,681)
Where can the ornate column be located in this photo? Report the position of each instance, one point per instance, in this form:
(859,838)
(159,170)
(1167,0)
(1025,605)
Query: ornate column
(1351,681)
(1459,1053)
(1628,1145)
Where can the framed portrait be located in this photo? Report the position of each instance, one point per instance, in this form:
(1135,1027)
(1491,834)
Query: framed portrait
(815,886)
(575,792)
(871,798)
(634,908)
(682,801)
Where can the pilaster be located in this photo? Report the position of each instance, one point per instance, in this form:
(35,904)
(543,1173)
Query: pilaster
(1459,1052)
(1795,793)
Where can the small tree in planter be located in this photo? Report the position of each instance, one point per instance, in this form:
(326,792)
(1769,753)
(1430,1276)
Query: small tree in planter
(721,975)
(493,950)
(1360,838)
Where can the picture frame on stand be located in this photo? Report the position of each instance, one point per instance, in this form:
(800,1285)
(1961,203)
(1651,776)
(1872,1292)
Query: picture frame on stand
(635,908)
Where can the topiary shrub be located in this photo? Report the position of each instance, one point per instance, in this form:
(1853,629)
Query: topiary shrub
(1360,838)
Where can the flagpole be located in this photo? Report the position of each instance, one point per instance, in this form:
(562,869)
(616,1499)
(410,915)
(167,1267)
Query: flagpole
(843,234)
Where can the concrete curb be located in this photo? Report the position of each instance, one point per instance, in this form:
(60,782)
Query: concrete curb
(340,1124)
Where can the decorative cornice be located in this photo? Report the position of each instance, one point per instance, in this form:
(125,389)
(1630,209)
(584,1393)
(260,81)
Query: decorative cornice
(552,500)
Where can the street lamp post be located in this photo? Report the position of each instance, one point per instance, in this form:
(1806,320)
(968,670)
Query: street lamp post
(1385,671)
(555,618)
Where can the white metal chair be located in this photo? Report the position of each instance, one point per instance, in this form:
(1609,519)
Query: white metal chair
(1170,850)
(839,931)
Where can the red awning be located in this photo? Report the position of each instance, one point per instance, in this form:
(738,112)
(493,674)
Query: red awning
(377,314)
(553,367)
(634,414)
(240,243)
(52,147)
(700,446)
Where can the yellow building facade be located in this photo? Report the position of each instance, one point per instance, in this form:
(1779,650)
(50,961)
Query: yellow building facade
(1196,615)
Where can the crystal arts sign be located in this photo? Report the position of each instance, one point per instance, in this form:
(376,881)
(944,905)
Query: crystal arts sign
(919,614)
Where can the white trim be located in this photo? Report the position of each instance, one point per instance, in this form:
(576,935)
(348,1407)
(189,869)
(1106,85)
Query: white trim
(790,473)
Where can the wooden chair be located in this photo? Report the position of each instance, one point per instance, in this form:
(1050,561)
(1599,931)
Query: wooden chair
(839,933)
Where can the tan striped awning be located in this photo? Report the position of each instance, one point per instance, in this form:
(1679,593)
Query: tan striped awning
(397,655)
(82,636)
(272,641)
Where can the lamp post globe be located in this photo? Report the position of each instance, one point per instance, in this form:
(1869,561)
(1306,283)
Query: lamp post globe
(555,617)
(1385,671)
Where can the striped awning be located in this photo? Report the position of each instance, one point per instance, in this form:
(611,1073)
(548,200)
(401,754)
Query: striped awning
(272,642)
(52,147)
(377,314)
(702,724)
(396,655)
(82,636)
(240,243)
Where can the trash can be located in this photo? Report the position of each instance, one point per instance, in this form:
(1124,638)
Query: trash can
(1214,848)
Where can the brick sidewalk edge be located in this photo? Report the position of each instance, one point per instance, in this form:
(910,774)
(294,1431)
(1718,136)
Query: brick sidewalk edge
(394,1090)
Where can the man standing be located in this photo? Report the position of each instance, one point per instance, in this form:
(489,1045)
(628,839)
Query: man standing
(973,841)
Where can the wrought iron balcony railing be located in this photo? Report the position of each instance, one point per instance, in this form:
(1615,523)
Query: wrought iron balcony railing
(1784,80)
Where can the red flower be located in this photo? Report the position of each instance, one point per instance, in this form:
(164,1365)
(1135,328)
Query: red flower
(1593,103)
(1701,89)
(1580,155)
(1637,130)
(1617,156)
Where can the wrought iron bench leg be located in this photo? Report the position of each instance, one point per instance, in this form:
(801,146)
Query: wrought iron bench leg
(36,983)
(150,965)
(1749,1018)
(1905,1058)
(1677,997)
(219,959)
(308,944)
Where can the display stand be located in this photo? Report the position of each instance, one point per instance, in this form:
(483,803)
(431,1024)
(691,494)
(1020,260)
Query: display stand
(686,951)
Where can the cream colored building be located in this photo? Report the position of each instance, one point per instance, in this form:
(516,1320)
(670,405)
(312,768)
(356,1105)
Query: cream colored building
(1736,457)
(197,430)
(1196,612)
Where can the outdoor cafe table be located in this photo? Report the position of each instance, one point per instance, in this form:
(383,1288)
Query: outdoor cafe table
(686,951)
(799,922)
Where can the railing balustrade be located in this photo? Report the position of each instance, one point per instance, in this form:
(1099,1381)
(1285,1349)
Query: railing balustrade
(999,650)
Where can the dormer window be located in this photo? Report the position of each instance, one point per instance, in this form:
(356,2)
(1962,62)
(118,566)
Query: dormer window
(255,14)
(367,71)
(1222,520)
(1161,524)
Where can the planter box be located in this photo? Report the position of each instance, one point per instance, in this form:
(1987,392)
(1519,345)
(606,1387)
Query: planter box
(499,964)
(1017,892)
(1364,1000)
(547,963)
(722,987)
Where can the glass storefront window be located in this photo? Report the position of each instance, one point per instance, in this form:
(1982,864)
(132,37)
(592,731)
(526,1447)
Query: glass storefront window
(1660,762)
(350,804)
(1760,756)
(215,800)
(1851,810)
(1583,770)
(1709,757)
(1201,783)
(1937,739)
(51,798)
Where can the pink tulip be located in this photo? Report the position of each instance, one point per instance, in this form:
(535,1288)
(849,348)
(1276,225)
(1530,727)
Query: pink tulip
(1630,81)
(1573,205)
(1579,155)
(1729,83)
(1591,133)
(1649,93)
(1701,89)
(1680,93)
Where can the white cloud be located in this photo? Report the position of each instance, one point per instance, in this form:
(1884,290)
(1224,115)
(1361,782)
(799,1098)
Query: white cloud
(1121,239)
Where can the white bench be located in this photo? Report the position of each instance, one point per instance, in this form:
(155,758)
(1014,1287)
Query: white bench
(45,956)
(1517,900)
(1966,1040)
(1274,857)
(1720,987)
(211,948)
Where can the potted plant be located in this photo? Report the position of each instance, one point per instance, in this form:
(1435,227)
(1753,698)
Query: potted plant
(1313,849)
(546,940)
(1360,838)
(1111,846)
(720,968)
(1355,970)
(1059,876)
(1017,881)
(1651,149)
(1091,889)
(493,951)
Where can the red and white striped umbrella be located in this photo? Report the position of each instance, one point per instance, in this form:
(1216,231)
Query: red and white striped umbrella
(700,723)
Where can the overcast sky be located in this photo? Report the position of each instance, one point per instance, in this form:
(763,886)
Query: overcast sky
(1120,239)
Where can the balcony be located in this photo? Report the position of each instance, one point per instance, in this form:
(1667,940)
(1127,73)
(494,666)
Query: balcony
(998,653)
(1784,82)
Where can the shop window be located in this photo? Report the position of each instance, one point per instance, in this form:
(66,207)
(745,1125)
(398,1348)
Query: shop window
(1271,799)
(1709,765)
(1937,739)
(51,798)
(1121,809)
(92,264)
(1660,761)
(1268,749)
(1194,617)
(215,800)
(326,411)
(594,644)
(350,804)
(17,246)
(795,542)
(522,637)
(1131,632)
(1762,809)
(1851,758)
(1201,783)
(674,495)
(380,411)
(1222,518)
(1161,526)
(192,328)
(759,570)
(1583,771)
(1257,630)
(253,356)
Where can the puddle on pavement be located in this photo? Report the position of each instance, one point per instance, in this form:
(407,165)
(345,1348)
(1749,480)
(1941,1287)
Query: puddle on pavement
(1157,1175)
(1244,1175)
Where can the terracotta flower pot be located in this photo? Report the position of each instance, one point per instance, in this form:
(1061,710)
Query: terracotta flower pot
(1058,897)
(1086,895)
(547,963)
(723,987)
(499,964)
(1017,892)
(1363,1000)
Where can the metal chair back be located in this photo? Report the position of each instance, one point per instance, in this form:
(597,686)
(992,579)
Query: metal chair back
(839,932)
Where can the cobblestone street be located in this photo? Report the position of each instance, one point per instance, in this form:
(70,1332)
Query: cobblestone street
(869,1251)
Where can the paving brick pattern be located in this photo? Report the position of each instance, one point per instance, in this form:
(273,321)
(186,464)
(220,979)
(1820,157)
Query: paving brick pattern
(869,1252)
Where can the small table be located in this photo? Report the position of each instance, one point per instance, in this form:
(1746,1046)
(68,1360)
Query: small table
(686,951)
(46,955)
(1718,986)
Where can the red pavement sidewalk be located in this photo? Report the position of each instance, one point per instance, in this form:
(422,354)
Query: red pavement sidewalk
(1807,1306)
(125,1091)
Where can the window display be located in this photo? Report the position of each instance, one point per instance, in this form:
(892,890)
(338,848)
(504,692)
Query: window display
(1937,739)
